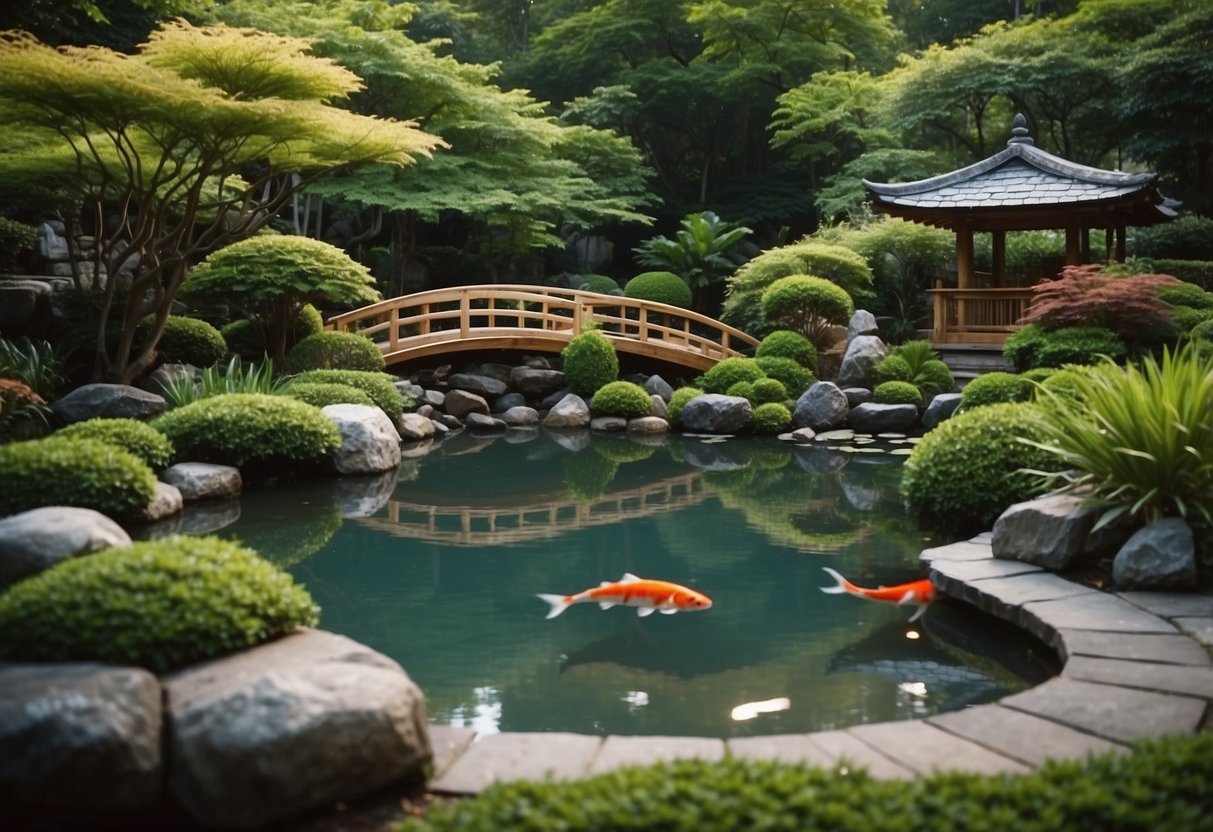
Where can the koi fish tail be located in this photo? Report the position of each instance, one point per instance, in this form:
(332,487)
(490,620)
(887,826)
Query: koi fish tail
(917,615)
(559,603)
(842,586)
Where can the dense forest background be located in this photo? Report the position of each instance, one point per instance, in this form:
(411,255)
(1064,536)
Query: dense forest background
(576,129)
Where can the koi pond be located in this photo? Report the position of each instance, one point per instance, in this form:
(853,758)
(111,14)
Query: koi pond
(438,566)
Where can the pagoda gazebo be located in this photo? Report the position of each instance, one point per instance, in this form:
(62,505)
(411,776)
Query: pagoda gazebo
(1020,188)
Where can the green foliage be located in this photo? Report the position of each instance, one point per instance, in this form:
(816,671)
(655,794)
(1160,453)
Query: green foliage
(897,392)
(808,305)
(15,238)
(727,372)
(246,338)
(1139,439)
(184,341)
(705,250)
(1033,346)
(309,322)
(234,378)
(380,387)
(1061,382)
(741,390)
(1186,294)
(784,343)
(248,429)
(995,388)
(966,471)
(1199,272)
(916,362)
(600,283)
(1189,237)
(161,604)
(770,417)
(621,398)
(794,377)
(893,368)
(766,390)
(319,394)
(662,287)
(678,401)
(73,472)
(589,361)
(934,378)
(1160,785)
(587,475)
(140,438)
(36,363)
(335,351)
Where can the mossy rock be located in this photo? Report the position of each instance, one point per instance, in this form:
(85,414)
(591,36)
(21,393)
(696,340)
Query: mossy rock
(86,473)
(140,438)
(621,398)
(335,351)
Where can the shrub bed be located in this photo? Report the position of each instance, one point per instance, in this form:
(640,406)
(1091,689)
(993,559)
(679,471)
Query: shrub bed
(784,343)
(788,372)
(724,374)
(322,394)
(140,438)
(73,472)
(380,387)
(159,604)
(335,351)
(1033,346)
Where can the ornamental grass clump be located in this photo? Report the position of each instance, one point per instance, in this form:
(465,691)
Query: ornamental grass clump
(74,472)
(1137,439)
(160,604)
(140,438)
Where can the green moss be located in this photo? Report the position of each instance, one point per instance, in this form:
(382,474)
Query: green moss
(140,438)
(784,343)
(185,341)
(897,392)
(589,361)
(73,472)
(661,287)
(995,388)
(161,605)
(621,398)
(728,372)
(794,377)
(678,401)
(770,417)
(319,394)
(380,387)
(335,351)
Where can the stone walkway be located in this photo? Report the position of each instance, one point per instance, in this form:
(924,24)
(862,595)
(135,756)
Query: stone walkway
(1136,665)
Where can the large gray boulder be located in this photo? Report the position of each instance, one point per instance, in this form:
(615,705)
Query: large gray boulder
(503,403)
(716,413)
(370,443)
(859,362)
(459,403)
(570,412)
(536,383)
(204,481)
(107,401)
(862,322)
(78,738)
(166,502)
(940,409)
(655,385)
(482,385)
(521,416)
(414,427)
(822,407)
(870,417)
(1157,556)
(42,537)
(288,727)
(1050,531)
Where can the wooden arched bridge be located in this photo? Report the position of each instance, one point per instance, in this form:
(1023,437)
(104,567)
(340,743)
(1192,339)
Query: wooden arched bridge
(538,319)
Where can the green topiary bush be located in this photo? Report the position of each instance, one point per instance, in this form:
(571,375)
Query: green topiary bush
(784,343)
(678,401)
(244,429)
(319,394)
(600,283)
(995,388)
(185,341)
(897,392)
(770,417)
(742,390)
(589,362)
(1199,272)
(661,287)
(794,377)
(934,378)
(965,472)
(380,387)
(1032,346)
(160,604)
(140,438)
(724,374)
(621,398)
(766,390)
(1186,294)
(73,472)
(808,305)
(893,368)
(335,351)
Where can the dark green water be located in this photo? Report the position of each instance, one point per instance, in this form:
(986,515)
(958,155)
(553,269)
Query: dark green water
(441,571)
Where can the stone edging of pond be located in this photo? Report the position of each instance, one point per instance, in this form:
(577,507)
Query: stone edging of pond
(1136,665)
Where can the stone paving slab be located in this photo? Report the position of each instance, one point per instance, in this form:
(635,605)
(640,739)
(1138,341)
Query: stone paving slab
(1022,736)
(845,749)
(1187,681)
(642,751)
(925,748)
(978,568)
(1172,604)
(1096,611)
(964,550)
(1114,713)
(1002,596)
(448,742)
(1164,648)
(1200,629)
(787,748)
(521,756)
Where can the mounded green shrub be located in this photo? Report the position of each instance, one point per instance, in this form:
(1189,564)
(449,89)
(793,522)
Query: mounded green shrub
(995,388)
(140,438)
(784,343)
(73,472)
(727,372)
(381,387)
(247,340)
(600,283)
(893,368)
(319,394)
(1064,382)
(335,351)
(621,398)
(742,390)
(1033,346)
(1160,785)
(185,341)
(589,361)
(966,471)
(661,287)
(243,429)
(1185,318)
(1186,294)
(160,604)
(770,417)
(897,392)
(794,377)
(1039,374)
(808,305)
(933,378)
(766,390)
(1199,272)
(678,401)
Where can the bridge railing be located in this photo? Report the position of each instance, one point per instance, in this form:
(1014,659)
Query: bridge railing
(411,322)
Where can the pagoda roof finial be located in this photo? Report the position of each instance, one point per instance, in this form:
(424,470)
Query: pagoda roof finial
(1019,131)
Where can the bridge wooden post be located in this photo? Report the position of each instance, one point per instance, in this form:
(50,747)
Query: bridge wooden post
(578,314)
(465,313)
(393,333)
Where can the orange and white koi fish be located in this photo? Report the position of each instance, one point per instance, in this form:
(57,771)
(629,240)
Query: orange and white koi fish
(648,596)
(920,592)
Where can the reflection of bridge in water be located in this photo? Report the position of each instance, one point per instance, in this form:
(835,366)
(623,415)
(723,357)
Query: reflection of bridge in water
(505,525)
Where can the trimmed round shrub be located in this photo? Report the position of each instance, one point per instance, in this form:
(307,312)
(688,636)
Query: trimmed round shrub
(897,392)
(933,378)
(73,472)
(381,387)
(809,305)
(1064,382)
(794,377)
(1032,346)
(661,287)
(319,394)
(727,372)
(185,341)
(140,438)
(784,343)
(1039,374)
(161,604)
(244,429)
(966,472)
(995,388)
(893,368)
(600,283)
(678,401)
(770,417)
(335,351)
(766,390)
(742,390)
(309,322)
(1185,318)
(1186,294)
(247,340)
(589,361)
(621,398)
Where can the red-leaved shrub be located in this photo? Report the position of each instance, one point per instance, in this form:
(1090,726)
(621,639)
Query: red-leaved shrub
(1082,296)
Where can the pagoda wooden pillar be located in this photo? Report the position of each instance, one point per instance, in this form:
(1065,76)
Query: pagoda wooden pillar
(1073,245)
(998,246)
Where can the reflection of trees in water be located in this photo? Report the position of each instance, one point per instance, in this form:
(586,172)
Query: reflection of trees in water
(286,534)
(587,475)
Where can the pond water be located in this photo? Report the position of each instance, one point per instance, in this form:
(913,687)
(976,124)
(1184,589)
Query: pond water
(438,566)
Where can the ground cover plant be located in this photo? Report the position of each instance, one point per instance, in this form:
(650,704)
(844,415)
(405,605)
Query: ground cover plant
(73,472)
(379,386)
(140,438)
(319,394)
